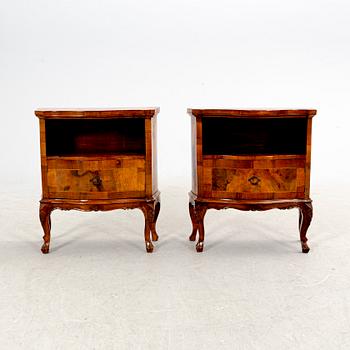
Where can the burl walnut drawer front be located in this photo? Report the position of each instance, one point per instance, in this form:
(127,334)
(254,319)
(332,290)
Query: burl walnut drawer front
(115,177)
(255,178)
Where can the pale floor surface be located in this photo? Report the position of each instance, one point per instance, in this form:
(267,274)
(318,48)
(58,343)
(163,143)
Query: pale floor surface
(252,288)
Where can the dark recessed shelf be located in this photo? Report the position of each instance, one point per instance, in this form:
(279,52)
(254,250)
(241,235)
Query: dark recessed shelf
(95,137)
(252,136)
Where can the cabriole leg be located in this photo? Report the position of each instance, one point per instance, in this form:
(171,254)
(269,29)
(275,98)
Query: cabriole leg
(194,220)
(45,219)
(201,209)
(154,222)
(305,217)
(148,212)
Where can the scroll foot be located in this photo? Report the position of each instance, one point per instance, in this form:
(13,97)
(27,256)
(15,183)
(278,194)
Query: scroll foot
(45,248)
(199,247)
(304,247)
(149,247)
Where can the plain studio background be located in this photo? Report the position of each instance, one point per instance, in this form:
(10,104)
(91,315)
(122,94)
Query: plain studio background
(251,288)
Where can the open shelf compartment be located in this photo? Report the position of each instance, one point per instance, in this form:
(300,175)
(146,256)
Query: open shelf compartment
(93,137)
(254,136)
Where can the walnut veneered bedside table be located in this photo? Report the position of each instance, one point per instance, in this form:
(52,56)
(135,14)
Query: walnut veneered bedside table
(250,160)
(99,160)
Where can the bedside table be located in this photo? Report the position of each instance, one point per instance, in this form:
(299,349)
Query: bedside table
(99,160)
(250,160)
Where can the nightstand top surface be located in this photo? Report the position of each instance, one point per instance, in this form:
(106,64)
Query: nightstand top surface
(96,113)
(253,113)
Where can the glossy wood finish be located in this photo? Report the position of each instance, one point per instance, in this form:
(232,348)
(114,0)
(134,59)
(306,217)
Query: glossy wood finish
(253,177)
(252,113)
(96,177)
(97,113)
(254,180)
(99,160)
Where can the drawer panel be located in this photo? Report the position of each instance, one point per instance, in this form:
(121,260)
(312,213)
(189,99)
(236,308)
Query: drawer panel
(110,178)
(250,183)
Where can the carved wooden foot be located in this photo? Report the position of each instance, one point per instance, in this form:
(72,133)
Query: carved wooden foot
(45,248)
(45,219)
(305,217)
(201,209)
(148,212)
(199,247)
(153,227)
(194,220)
(149,247)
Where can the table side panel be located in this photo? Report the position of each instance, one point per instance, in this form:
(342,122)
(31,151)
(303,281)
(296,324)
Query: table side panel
(42,129)
(199,154)
(194,154)
(154,155)
(148,157)
(308,159)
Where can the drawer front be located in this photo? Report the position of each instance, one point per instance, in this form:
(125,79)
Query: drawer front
(96,179)
(248,182)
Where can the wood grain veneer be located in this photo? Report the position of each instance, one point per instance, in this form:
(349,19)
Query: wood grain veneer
(99,159)
(250,160)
